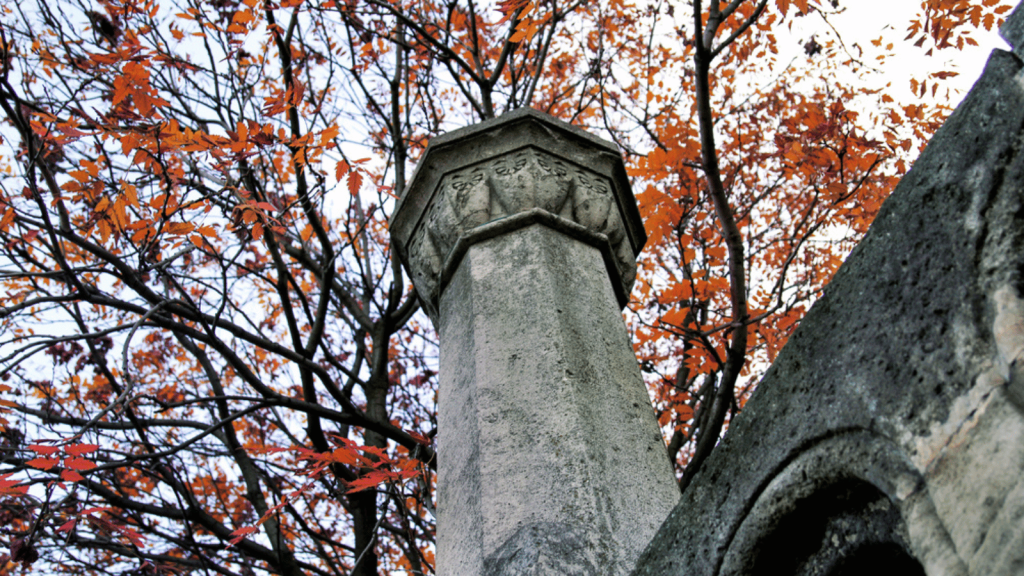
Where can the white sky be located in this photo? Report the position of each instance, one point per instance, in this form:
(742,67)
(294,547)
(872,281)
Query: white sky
(865,20)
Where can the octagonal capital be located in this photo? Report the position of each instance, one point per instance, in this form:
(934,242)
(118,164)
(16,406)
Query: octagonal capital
(495,177)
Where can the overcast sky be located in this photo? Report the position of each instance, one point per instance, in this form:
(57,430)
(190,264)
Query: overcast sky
(865,20)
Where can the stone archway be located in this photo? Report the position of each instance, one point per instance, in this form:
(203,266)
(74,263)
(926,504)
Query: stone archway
(851,503)
(846,528)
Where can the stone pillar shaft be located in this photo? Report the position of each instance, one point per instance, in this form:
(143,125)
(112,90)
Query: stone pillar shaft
(550,459)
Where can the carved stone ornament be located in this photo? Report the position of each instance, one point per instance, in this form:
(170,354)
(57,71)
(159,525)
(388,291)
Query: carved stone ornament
(521,169)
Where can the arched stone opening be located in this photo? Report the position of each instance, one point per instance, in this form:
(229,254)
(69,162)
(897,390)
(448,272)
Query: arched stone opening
(848,504)
(845,529)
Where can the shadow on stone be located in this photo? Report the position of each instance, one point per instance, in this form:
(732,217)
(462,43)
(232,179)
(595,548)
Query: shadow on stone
(844,529)
(542,550)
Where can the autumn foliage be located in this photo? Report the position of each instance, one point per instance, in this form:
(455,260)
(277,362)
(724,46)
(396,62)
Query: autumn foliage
(210,359)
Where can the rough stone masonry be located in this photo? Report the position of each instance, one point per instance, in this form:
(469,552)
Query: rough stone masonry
(520,236)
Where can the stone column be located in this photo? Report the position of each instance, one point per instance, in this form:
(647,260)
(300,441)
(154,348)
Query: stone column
(520,235)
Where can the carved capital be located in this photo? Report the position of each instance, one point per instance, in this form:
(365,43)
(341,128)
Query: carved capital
(523,168)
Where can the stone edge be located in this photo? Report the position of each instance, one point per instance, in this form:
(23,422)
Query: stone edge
(1012,30)
(522,220)
(402,230)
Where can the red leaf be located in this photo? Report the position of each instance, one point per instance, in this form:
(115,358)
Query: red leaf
(371,480)
(345,455)
(44,450)
(71,476)
(355,182)
(67,526)
(684,411)
(43,463)
(79,464)
(240,534)
(132,535)
(79,449)
(508,8)
(10,487)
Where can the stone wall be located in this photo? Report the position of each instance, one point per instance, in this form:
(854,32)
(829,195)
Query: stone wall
(889,434)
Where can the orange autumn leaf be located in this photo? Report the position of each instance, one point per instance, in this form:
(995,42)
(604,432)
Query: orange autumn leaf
(179,228)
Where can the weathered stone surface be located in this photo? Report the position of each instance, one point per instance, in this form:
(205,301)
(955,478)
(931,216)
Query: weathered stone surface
(550,459)
(523,162)
(898,399)
(1013,30)
(545,548)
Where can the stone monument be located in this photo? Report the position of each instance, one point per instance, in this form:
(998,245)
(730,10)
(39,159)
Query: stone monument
(520,235)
